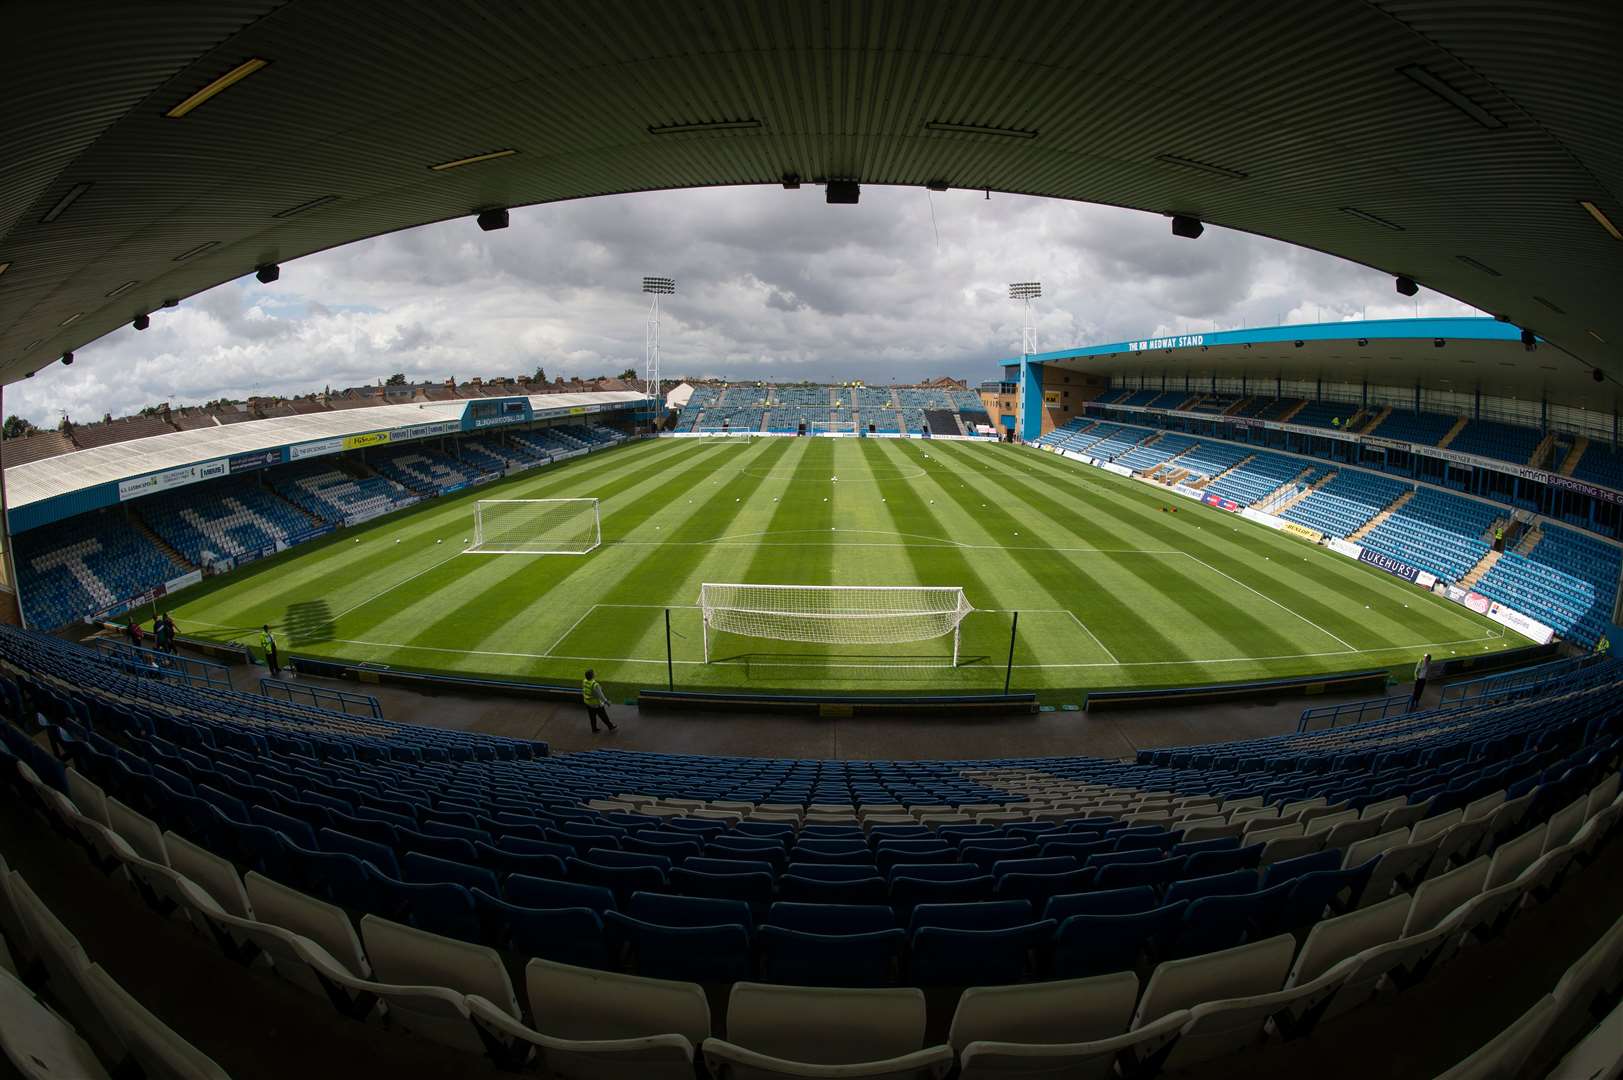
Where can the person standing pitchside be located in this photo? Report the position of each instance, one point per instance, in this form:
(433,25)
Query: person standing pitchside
(268,643)
(597,702)
(1421,670)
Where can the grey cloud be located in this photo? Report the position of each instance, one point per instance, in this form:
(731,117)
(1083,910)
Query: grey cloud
(771,283)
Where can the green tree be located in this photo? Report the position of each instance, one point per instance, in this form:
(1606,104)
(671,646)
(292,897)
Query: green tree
(628,375)
(397,379)
(16,427)
(540,374)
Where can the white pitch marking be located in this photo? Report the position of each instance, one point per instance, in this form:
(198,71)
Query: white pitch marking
(1272,601)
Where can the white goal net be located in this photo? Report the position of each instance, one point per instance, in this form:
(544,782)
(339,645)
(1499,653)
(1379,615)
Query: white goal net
(535,527)
(834,614)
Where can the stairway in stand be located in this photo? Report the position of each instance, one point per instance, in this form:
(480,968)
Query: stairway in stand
(159,542)
(1476,573)
(1291,483)
(1540,457)
(1305,492)
(1293,410)
(1578,448)
(1453,432)
(1237,465)
(1386,410)
(1530,539)
(1380,516)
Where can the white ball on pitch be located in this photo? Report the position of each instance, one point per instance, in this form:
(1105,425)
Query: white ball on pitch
(397,540)
(439,541)
(357,540)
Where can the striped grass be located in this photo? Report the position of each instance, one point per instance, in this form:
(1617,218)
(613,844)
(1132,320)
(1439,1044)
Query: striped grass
(1113,588)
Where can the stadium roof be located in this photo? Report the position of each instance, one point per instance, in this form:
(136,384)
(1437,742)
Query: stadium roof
(1477,355)
(154,150)
(67,474)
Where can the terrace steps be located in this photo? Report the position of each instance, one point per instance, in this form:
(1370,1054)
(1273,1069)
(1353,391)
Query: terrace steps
(1238,406)
(1542,452)
(1578,447)
(1380,517)
(1176,476)
(1477,572)
(1530,540)
(1242,463)
(1459,426)
(1305,492)
(1292,482)
(1380,418)
(1285,417)
(160,543)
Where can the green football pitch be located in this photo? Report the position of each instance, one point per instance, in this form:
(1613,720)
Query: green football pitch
(1112,589)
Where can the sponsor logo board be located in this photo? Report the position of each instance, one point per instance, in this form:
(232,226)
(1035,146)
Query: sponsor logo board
(370,438)
(1522,624)
(1396,567)
(314,449)
(1302,531)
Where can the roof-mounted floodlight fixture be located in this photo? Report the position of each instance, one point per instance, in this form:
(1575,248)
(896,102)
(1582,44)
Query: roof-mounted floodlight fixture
(663,286)
(1025,290)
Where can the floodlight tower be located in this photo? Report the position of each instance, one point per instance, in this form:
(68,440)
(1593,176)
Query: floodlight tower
(655,287)
(1025,292)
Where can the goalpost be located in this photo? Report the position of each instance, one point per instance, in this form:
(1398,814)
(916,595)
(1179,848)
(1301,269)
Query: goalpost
(834,614)
(535,527)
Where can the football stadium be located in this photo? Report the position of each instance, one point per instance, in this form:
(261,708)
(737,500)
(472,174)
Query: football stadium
(1220,701)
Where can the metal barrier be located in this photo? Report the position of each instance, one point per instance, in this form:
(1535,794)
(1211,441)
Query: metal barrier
(1523,680)
(171,667)
(322,697)
(1354,712)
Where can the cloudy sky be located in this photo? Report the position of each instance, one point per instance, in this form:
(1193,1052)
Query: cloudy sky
(772,284)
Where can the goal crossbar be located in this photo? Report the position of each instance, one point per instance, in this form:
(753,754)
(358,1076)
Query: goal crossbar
(834,614)
(535,527)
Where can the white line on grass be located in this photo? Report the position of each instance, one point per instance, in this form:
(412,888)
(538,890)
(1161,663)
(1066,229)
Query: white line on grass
(835,663)
(1092,635)
(571,630)
(1272,601)
(392,588)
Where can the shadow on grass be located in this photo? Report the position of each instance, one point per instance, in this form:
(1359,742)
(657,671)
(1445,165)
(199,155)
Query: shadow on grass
(881,668)
(308,622)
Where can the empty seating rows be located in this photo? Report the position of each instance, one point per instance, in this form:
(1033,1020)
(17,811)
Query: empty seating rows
(1436,531)
(74,568)
(241,517)
(1347,501)
(1188,1009)
(423,469)
(1422,428)
(1264,474)
(1212,457)
(1143,458)
(1494,439)
(1568,581)
(334,495)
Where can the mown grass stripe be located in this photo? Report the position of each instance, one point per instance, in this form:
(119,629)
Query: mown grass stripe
(495,591)
(1406,612)
(1066,579)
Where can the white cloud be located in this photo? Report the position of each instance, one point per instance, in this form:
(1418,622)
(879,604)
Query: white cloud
(772,284)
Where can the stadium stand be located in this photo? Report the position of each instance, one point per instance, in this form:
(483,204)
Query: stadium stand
(78,567)
(1445,534)
(334,495)
(1568,581)
(239,517)
(1492,439)
(1206,890)
(1350,499)
(1424,428)
(1322,413)
(421,469)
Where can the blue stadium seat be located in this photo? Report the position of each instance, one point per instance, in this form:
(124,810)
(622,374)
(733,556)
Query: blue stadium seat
(663,910)
(802,958)
(907,893)
(831,918)
(1233,883)
(426,869)
(942,956)
(1130,901)
(990,915)
(688,953)
(868,890)
(548,893)
(1102,944)
(565,935)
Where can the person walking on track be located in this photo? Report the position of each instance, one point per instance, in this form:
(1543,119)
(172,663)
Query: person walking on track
(597,702)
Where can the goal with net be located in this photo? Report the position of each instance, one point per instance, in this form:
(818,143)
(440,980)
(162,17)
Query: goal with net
(834,614)
(535,527)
